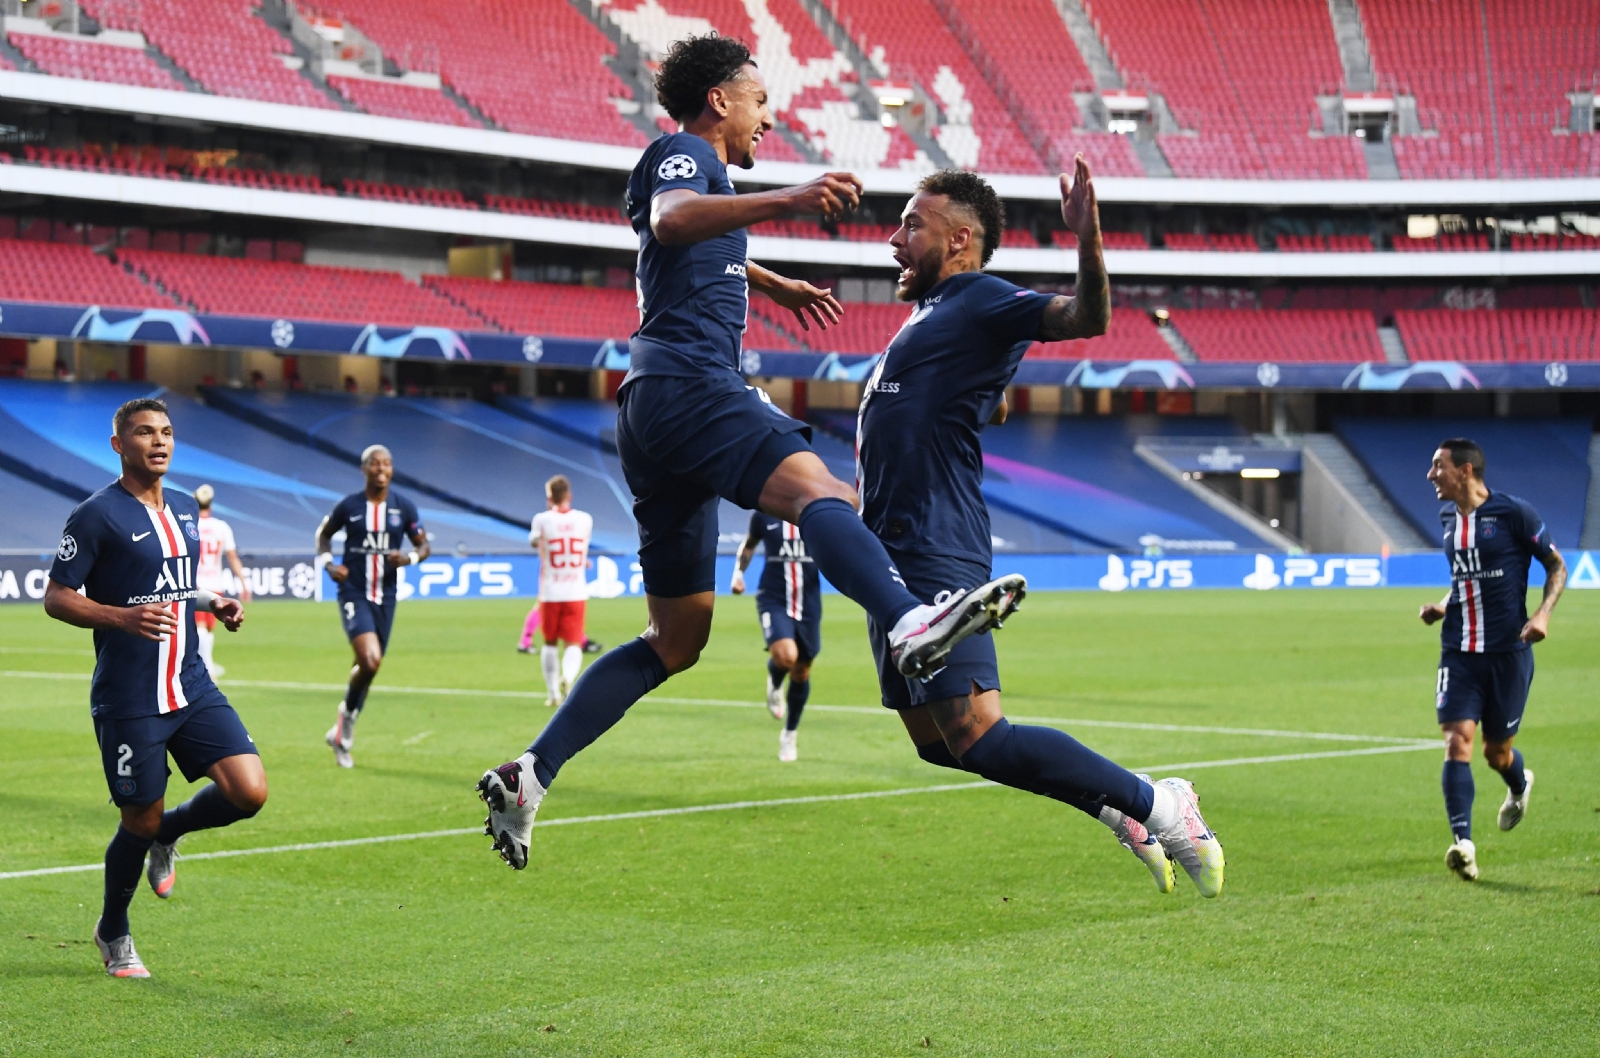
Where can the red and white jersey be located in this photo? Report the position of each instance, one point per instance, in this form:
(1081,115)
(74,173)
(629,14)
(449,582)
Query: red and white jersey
(562,538)
(216,540)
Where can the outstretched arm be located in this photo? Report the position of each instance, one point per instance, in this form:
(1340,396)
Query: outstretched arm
(1089,313)
(796,295)
(682,215)
(1555,582)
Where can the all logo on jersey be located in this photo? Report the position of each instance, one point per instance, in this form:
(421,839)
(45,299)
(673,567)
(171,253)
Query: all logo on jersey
(1466,561)
(376,542)
(68,549)
(678,167)
(174,578)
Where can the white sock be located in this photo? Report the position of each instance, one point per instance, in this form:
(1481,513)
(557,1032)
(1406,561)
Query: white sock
(571,663)
(911,620)
(207,639)
(1166,810)
(1110,816)
(550,660)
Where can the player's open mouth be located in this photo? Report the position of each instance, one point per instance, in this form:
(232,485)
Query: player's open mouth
(906,271)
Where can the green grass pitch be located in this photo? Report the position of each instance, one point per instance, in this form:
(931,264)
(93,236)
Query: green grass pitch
(966,922)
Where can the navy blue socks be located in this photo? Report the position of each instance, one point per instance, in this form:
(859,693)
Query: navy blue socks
(204,811)
(795,697)
(775,673)
(1513,774)
(938,753)
(355,698)
(854,561)
(1045,761)
(1458,792)
(605,691)
(124,864)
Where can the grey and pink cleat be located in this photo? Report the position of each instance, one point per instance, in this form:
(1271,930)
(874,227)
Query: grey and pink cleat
(923,638)
(162,868)
(118,955)
(513,793)
(1133,836)
(1190,843)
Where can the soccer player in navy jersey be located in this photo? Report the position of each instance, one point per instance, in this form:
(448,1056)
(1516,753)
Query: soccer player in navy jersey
(1486,664)
(375,522)
(132,549)
(789,603)
(689,430)
(920,468)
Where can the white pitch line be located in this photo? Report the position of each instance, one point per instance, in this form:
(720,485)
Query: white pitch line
(725,806)
(860,710)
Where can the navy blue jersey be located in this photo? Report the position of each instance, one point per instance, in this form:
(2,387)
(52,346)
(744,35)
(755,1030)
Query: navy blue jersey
(919,463)
(372,530)
(1489,551)
(123,553)
(789,574)
(692,299)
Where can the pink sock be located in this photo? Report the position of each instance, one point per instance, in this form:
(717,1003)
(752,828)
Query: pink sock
(530,626)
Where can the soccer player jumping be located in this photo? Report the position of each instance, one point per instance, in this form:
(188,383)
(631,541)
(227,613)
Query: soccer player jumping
(920,467)
(375,521)
(690,431)
(1486,664)
(132,549)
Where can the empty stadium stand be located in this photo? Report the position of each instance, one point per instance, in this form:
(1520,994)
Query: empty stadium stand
(1324,244)
(1515,335)
(86,61)
(239,286)
(43,271)
(539,207)
(32,516)
(1545,461)
(395,99)
(411,196)
(1110,240)
(470,454)
(1228,243)
(553,309)
(1285,335)
(1132,336)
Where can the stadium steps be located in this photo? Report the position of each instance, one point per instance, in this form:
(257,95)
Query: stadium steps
(1178,344)
(866,73)
(468,105)
(1090,46)
(1351,36)
(630,64)
(1343,467)
(1381,162)
(1590,538)
(13,55)
(1245,518)
(1394,346)
(33,514)
(229,403)
(178,73)
(1149,154)
(275,15)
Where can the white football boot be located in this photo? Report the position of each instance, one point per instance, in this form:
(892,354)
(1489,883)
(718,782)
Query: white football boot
(341,737)
(1190,843)
(513,793)
(1462,858)
(119,957)
(1132,835)
(775,702)
(788,751)
(1515,808)
(161,868)
(923,638)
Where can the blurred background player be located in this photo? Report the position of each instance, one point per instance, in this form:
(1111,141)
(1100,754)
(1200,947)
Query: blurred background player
(1486,664)
(789,602)
(131,548)
(561,536)
(920,467)
(216,544)
(375,521)
(530,626)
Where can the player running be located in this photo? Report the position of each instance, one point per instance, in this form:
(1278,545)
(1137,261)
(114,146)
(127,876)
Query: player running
(920,467)
(690,431)
(374,521)
(131,548)
(789,600)
(1486,664)
(561,536)
(216,544)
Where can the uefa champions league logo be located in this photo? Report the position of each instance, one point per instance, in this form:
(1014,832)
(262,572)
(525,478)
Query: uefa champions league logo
(282,333)
(678,167)
(1555,374)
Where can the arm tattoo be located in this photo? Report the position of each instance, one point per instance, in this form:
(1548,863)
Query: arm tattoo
(1555,581)
(1089,313)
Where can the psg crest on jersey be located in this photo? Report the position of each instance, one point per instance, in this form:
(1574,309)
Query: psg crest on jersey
(189,527)
(394,519)
(1486,530)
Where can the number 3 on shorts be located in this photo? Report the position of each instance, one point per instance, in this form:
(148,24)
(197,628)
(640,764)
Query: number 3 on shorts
(349,611)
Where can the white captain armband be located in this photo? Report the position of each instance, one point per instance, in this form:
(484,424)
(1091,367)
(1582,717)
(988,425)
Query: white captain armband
(412,558)
(324,558)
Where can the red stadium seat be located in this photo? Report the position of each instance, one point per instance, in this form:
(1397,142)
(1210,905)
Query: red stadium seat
(71,275)
(1132,336)
(1517,335)
(89,61)
(1286,335)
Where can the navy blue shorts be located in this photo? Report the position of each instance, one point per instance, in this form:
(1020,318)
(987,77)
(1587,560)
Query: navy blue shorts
(685,443)
(1489,688)
(134,752)
(932,578)
(776,624)
(361,614)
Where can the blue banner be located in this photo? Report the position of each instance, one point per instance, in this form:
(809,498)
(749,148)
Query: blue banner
(94,323)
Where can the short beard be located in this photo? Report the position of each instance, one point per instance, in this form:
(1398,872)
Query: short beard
(924,276)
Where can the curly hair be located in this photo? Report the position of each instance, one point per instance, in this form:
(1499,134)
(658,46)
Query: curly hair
(972,192)
(693,67)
